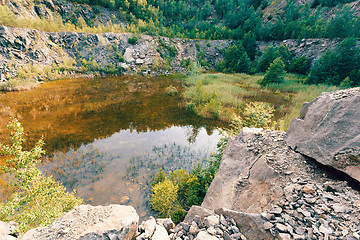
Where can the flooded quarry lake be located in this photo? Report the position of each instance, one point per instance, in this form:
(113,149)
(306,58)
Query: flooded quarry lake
(107,137)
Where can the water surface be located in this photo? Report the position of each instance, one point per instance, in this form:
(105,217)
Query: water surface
(106,137)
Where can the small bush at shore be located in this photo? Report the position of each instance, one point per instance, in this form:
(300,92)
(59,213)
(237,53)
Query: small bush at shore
(36,199)
(191,186)
(163,196)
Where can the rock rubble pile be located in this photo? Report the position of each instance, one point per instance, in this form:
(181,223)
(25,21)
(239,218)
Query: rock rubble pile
(211,227)
(328,210)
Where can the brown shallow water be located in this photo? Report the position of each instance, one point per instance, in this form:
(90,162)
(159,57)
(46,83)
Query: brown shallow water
(106,137)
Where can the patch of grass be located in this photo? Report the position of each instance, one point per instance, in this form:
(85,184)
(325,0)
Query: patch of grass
(305,94)
(171,90)
(234,91)
(19,84)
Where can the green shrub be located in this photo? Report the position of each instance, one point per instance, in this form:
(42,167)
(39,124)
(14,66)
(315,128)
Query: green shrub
(191,108)
(255,115)
(171,90)
(133,39)
(163,197)
(185,63)
(192,191)
(159,177)
(213,107)
(179,177)
(275,73)
(37,200)
(202,102)
(236,59)
(195,69)
(300,65)
(266,59)
(178,215)
(346,83)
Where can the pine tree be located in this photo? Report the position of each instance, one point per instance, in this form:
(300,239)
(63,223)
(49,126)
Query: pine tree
(275,73)
(236,59)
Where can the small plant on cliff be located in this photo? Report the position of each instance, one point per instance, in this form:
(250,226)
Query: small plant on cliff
(133,39)
(37,200)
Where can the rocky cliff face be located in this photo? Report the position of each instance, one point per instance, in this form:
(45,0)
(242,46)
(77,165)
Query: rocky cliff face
(87,222)
(70,52)
(310,48)
(98,52)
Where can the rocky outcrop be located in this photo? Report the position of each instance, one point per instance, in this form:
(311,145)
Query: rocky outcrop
(311,48)
(247,181)
(89,222)
(108,52)
(328,131)
(269,188)
(201,223)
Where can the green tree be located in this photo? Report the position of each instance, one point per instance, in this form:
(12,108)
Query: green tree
(37,199)
(300,65)
(250,46)
(335,65)
(275,73)
(267,58)
(236,59)
(286,56)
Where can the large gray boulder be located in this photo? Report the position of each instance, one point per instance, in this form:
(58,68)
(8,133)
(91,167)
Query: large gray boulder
(328,130)
(255,168)
(87,222)
(245,182)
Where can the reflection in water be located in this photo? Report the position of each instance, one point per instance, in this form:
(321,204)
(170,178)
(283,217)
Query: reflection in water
(76,168)
(135,157)
(168,157)
(69,113)
(105,137)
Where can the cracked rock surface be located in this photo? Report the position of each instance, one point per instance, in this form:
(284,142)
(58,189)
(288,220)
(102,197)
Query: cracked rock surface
(297,198)
(328,130)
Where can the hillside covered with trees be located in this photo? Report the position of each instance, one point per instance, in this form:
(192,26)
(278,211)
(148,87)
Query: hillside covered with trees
(244,21)
(233,19)
(214,19)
